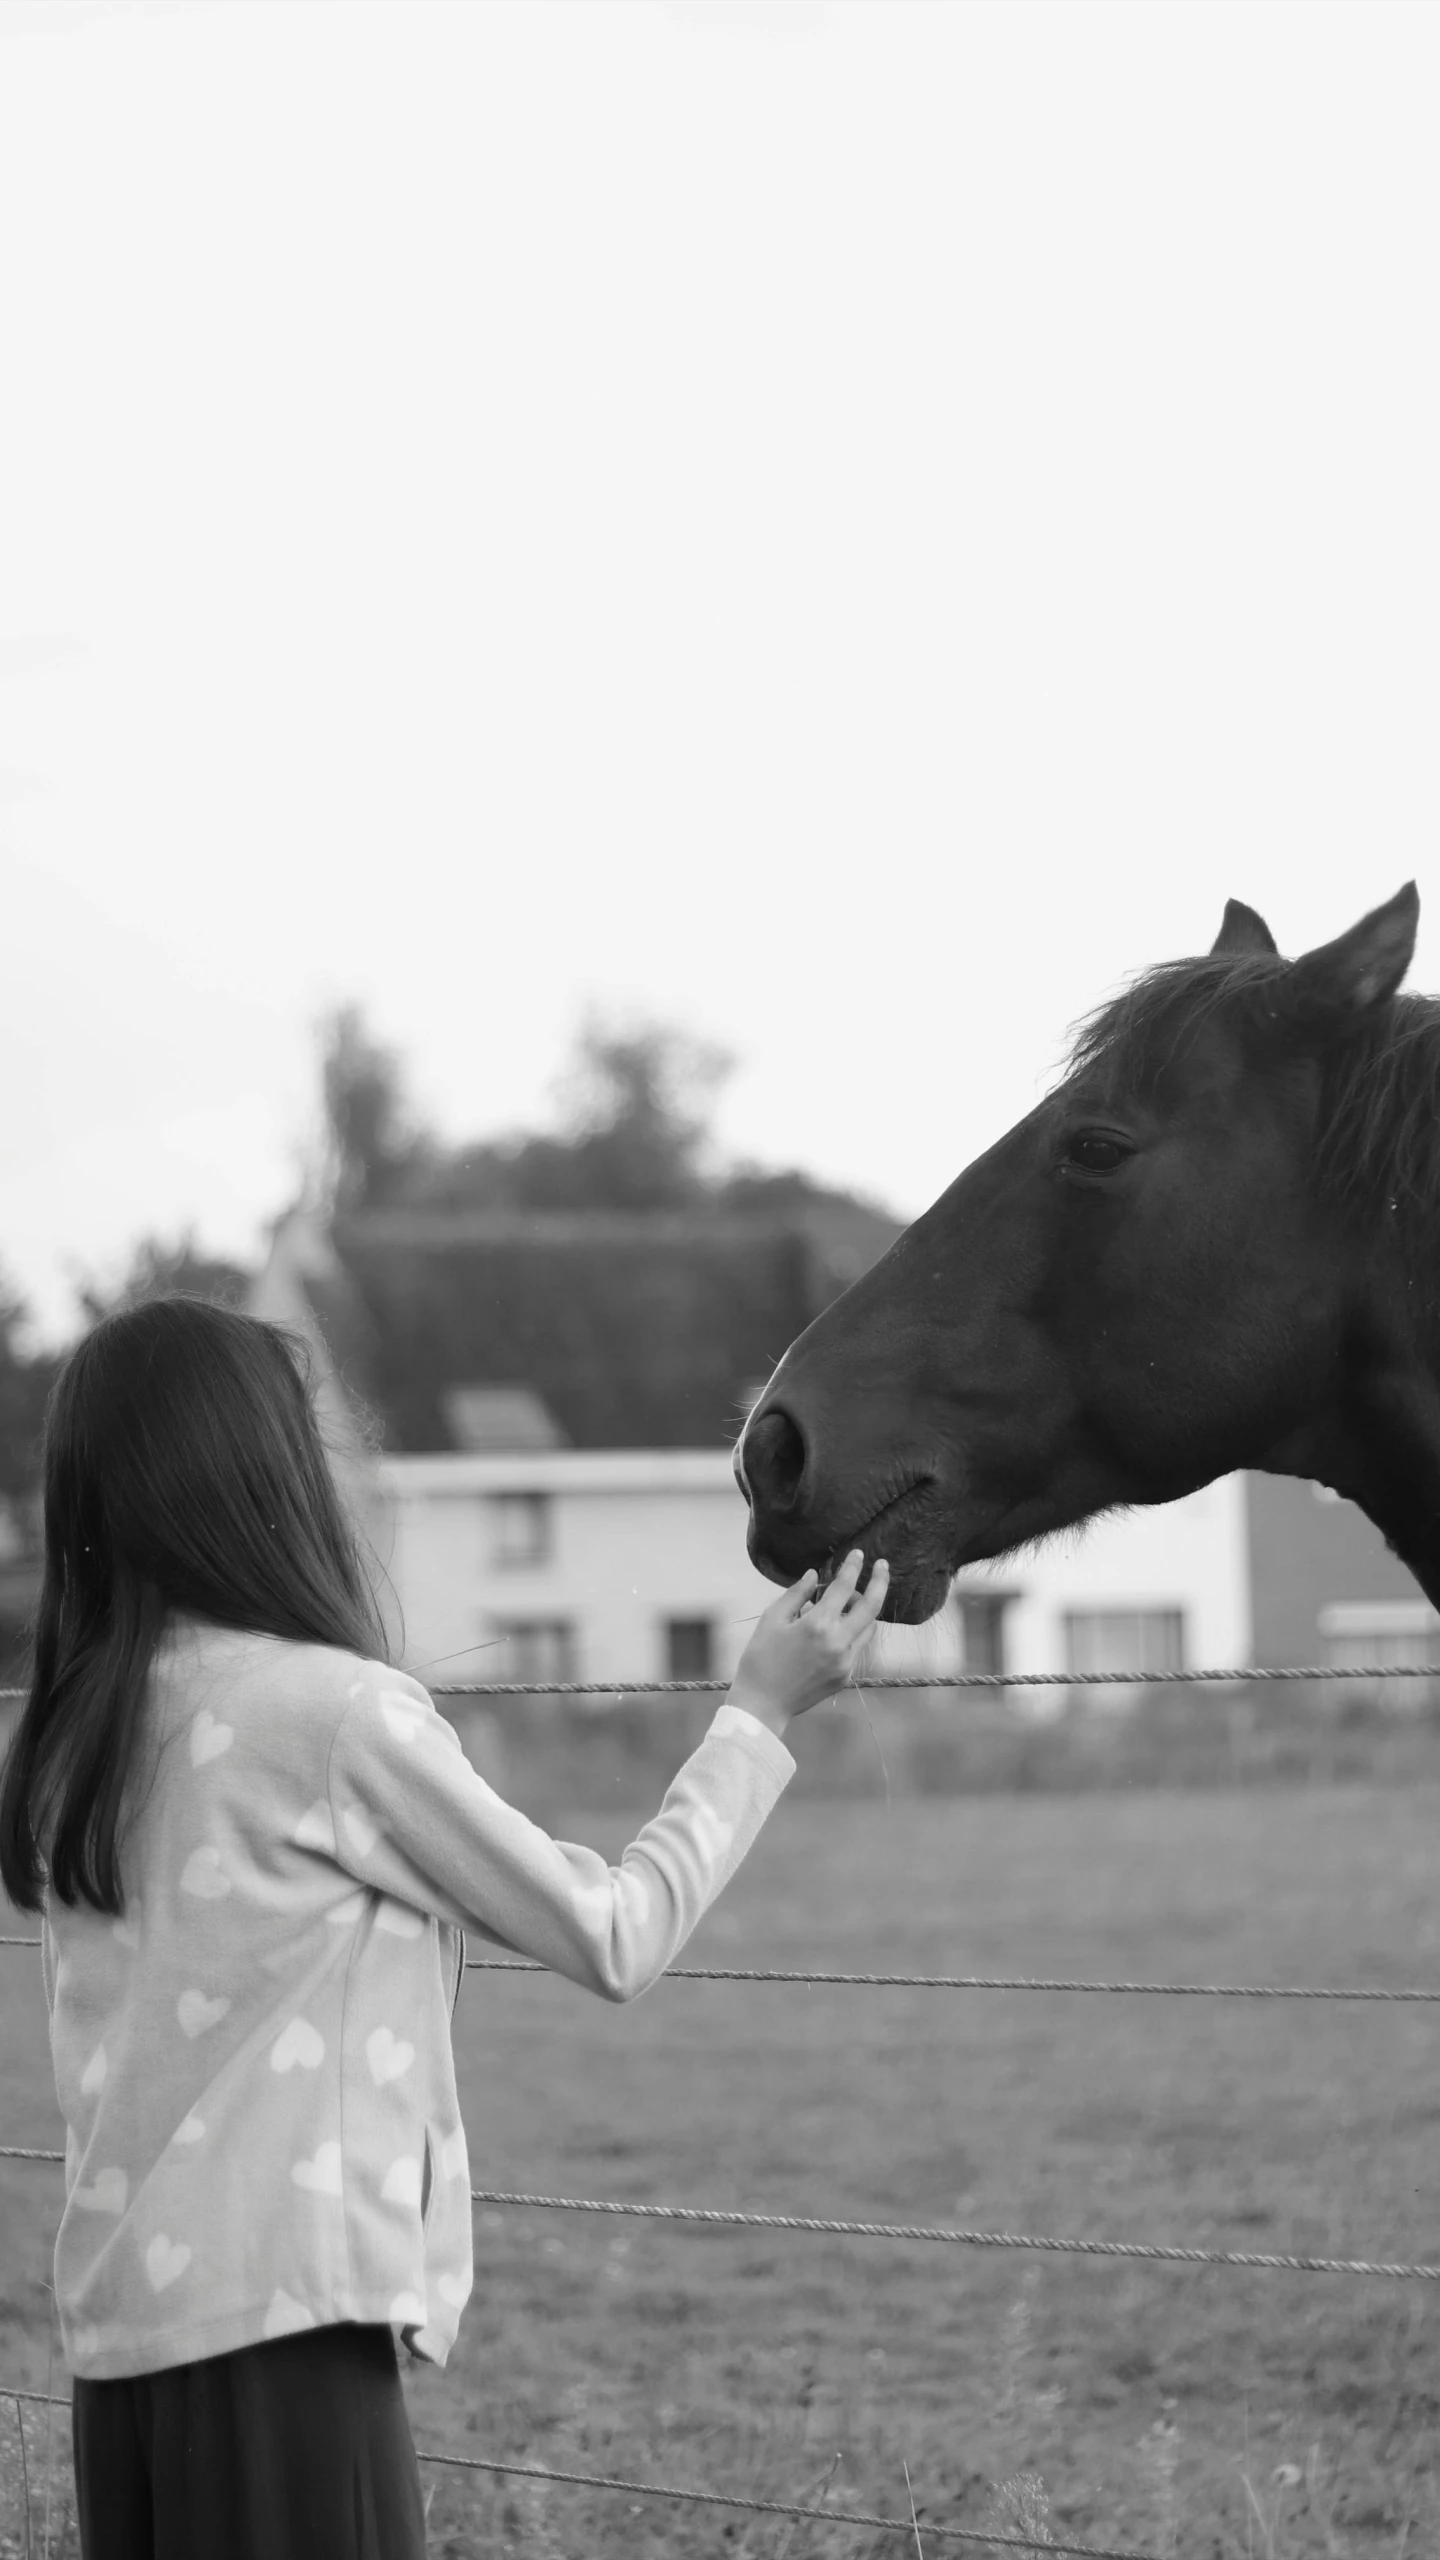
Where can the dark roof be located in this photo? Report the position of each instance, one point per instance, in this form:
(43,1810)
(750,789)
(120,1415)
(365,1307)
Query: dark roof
(493,1418)
(635,1330)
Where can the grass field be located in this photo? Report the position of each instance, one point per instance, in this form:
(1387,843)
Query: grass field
(1190,2412)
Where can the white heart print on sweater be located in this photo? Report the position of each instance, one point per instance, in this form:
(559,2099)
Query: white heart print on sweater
(195,2012)
(208,1738)
(298,2042)
(714,1835)
(315,1830)
(166,2259)
(203,1874)
(322,2174)
(597,1900)
(388,2056)
(286,2314)
(402,2182)
(360,1831)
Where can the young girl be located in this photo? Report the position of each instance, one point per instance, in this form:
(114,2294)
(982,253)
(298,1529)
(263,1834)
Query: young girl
(256,1845)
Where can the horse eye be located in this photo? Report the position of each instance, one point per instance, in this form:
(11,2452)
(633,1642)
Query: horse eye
(1094,1152)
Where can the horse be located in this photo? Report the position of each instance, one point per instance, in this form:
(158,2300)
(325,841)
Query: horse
(1214,1245)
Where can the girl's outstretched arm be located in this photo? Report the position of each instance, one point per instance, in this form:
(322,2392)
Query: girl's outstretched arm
(413,1820)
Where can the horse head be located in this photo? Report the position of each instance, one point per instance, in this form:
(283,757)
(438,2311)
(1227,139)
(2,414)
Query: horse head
(1206,1249)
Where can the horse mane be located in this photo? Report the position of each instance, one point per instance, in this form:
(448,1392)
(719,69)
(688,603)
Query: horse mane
(1378,1133)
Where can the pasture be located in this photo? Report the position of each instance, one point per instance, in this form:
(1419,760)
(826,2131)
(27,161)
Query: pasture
(1202,2412)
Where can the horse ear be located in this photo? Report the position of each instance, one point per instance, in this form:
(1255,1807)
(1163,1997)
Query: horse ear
(1361,968)
(1242,930)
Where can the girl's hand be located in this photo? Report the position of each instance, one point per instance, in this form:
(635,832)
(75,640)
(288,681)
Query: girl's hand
(804,1648)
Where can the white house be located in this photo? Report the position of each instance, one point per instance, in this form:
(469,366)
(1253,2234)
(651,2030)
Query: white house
(555,1398)
(570,1564)
(630,1564)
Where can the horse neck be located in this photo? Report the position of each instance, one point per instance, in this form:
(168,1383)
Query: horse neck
(1379,1445)
(1403,1466)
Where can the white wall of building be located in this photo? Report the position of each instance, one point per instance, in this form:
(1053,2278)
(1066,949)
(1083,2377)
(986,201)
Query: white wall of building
(640,1536)
(636,1537)
(1190,1556)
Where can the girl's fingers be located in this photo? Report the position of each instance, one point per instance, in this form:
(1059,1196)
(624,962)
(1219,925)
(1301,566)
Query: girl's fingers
(842,1584)
(872,1600)
(801,1593)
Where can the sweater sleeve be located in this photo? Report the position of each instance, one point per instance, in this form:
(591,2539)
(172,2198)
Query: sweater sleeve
(411,1818)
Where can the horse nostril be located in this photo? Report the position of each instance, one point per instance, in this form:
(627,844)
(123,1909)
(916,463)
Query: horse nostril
(773,1454)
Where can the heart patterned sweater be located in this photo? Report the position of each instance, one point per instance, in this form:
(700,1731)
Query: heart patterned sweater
(254,2063)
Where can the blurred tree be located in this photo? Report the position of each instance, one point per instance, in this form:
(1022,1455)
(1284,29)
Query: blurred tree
(634,1128)
(638,1106)
(25,1382)
(159,1270)
(635,1109)
(374,1154)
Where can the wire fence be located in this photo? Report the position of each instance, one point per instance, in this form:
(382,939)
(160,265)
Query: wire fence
(945,1680)
(914,2233)
(942,1680)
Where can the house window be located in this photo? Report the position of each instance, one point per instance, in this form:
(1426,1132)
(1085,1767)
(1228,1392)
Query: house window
(689,1652)
(1138,1641)
(982,1629)
(534,1649)
(1382,1635)
(522,1528)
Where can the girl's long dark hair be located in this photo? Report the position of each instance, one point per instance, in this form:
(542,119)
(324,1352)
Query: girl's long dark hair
(184,1469)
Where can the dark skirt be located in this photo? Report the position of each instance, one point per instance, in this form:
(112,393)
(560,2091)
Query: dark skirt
(297,2449)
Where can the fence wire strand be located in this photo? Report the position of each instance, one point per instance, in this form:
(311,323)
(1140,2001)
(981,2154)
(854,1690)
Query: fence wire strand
(1023,2543)
(973,1981)
(937,1680)
(976,1981)
(734,2219)
(948,1680)
(716,2498)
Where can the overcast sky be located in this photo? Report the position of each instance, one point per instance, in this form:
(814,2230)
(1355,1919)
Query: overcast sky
(846,528)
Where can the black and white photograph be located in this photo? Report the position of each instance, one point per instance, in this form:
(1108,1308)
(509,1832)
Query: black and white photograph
(719,1279)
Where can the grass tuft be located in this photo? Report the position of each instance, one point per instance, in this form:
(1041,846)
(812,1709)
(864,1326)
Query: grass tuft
(1159,2464)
